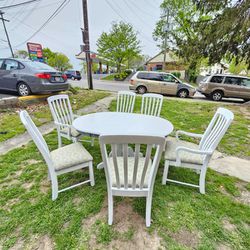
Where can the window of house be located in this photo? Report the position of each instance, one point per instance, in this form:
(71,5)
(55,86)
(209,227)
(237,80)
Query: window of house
(158,67)
(217,79)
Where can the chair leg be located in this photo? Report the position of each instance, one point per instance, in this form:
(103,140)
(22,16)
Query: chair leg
(202,180)
(91,174)
(165,173)
(148,210)
(54,183)
(59,140)
(110,208)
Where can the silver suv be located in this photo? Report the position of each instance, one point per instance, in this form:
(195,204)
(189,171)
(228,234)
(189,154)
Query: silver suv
(217,86)
(160,82)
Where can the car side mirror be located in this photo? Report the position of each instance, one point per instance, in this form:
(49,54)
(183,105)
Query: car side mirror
(176,81)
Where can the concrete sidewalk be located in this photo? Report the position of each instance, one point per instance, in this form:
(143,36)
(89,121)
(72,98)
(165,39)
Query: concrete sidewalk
(23,139)
(221,163)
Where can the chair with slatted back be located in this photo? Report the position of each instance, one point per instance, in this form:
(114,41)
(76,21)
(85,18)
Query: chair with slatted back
(63,116)
(125,101)
(62,160)
(151,104)
(132,176)
(197,156)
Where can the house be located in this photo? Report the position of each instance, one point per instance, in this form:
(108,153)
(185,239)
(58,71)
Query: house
(217,68)
(172,62)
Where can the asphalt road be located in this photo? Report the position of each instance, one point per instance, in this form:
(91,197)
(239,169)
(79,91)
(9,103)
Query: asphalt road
(117,86)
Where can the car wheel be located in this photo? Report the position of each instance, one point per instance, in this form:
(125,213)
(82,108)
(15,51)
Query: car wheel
(183,93)
(23,89)
(141,90)
(217,95)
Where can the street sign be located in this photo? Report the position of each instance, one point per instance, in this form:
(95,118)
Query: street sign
(35,52)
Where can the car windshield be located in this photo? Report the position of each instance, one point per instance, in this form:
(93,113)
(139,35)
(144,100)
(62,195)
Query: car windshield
(38,65)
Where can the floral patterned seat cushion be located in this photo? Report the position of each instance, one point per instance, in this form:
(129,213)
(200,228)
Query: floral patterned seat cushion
(186,157)
(69,156)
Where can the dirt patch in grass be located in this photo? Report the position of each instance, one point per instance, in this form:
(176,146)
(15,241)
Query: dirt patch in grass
(45,186)
(128,229)
(27,185)
(19,245)
(223,247)
(244,197)
(186,238)
(228,226)
(40,243)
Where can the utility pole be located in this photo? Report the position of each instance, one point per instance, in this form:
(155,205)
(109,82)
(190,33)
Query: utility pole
(85,35)
(165,30)
(8,39)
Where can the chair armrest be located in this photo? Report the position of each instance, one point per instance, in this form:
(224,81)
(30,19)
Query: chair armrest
(187,133)
(190,150)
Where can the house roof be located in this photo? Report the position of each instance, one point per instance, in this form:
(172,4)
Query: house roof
(159,58)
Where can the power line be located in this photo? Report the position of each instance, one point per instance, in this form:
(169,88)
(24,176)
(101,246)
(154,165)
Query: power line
(54,14)
(19,4)
(139,32)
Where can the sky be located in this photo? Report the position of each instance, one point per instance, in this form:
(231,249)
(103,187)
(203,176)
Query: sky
(63,33)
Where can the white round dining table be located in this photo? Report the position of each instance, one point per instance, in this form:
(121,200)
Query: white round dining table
(117,123)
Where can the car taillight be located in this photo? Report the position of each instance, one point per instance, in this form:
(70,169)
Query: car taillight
(64,77)
(43,75)
(132,82)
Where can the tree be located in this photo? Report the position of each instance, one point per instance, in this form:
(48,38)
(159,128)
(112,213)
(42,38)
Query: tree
(21,54)
(47,54)
(120,45)
(60,62)
(208,29)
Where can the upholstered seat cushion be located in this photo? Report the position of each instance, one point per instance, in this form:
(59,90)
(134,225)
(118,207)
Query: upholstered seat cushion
(186,157)
(131,161)
(69,156)
(73,131)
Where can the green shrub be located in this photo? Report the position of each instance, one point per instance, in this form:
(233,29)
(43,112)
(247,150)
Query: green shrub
(177,74)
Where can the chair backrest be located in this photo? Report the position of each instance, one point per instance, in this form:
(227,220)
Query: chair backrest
(131,173)
(216,129)
(35,135)
(151,104)
(125,101)
(61,110)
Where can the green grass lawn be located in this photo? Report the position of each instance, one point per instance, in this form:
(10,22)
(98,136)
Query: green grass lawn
(194,116)
(181,217)
(10,122)
(108,77)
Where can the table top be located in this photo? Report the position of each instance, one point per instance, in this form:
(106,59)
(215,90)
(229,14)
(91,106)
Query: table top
(116,123)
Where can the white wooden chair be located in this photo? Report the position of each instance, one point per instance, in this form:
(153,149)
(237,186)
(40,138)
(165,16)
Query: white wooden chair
(125,101)
(131,176)
(151,104)
(63,116)
(62,160)
(197,156)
